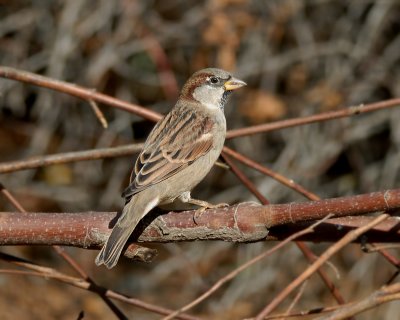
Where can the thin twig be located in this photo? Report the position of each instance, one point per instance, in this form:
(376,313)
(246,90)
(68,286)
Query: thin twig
(99,114)
(308,194)
(244,179)
(94,154)
(47,272)
(245,131)
(318,263)
(306,313)
(76,91)
(118,313)
(380,296)
(347,112)
(381,247)
(274,175)
(89,94)
(243,267)
(301,245)
(296,298)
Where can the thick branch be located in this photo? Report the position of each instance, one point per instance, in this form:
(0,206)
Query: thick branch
(245,222)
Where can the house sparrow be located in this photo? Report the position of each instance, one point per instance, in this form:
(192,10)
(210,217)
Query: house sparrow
(177,155)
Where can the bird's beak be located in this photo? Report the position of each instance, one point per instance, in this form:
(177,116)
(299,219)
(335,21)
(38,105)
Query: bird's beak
(233,84)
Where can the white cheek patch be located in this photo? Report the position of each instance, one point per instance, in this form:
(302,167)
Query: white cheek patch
(211,105)
(209,96)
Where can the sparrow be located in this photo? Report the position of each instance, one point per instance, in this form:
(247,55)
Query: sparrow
(178,153)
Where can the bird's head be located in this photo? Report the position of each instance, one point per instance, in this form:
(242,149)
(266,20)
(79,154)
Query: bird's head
(211,87)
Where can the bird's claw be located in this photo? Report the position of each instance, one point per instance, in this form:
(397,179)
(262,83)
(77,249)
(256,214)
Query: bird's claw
(198,213)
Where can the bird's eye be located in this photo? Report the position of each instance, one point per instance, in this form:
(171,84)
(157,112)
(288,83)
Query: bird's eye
(214,80)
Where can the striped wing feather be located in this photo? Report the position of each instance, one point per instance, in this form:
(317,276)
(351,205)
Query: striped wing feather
(175,142)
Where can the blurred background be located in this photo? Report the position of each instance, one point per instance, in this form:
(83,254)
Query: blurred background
(298,57)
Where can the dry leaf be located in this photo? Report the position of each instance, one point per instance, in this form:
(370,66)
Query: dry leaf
(326,96)
(260,107)
(59,174)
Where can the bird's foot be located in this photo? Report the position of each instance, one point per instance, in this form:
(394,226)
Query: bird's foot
(204,205)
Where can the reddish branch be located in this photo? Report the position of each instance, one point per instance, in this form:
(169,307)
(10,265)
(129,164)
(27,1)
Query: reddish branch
(333,249)
(350,111)
(268,172)
(92,95)
(301,245)
(76,91)
(71,261)
(240,269)
(242,223)
(95,154)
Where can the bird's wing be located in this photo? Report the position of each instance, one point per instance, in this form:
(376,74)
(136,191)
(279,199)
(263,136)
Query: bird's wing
(180,138)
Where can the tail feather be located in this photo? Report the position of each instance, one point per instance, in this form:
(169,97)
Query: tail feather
(132,213)
(111,251)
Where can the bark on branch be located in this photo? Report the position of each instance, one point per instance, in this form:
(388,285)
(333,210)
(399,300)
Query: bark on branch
(245,222)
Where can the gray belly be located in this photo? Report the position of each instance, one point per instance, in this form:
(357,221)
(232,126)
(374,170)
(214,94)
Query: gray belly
(186,179)
(189,177)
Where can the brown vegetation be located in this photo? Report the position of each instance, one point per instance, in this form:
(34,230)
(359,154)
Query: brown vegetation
(326,72)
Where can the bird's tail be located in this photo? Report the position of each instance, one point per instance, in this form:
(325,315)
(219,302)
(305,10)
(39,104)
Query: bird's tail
(132,213)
